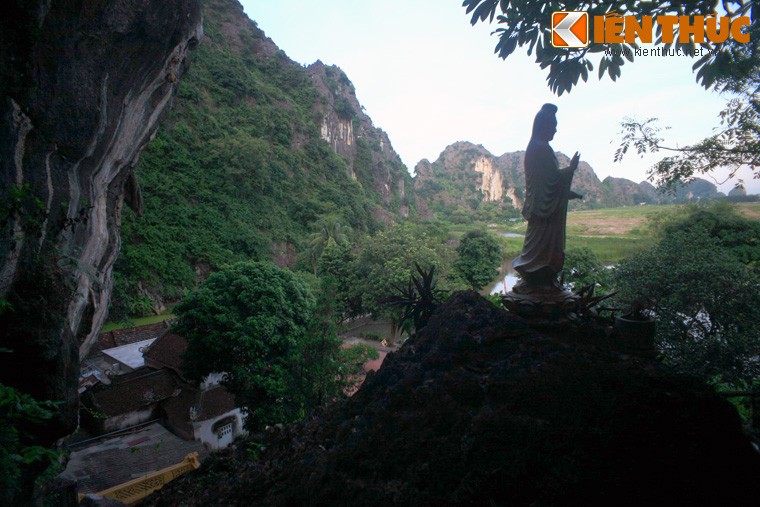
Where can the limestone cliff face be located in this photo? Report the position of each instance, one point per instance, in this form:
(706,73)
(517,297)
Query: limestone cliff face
(366,149)
(84,85)
(626,192)
(516,199)
(491,185)
(466,174)
(478,175)
(339,132)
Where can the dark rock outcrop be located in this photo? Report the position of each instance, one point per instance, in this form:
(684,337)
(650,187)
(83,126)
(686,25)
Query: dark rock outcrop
(625,192)
(83,87)
(480,409)
(738,191)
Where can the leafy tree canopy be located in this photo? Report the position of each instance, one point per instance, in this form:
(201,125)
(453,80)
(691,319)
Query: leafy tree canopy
(529,24)
(739,235)
(323,370)
(735,144)
(246,320)
(19,412)
(387,260)
(583,267)
(701,298)
(479,258)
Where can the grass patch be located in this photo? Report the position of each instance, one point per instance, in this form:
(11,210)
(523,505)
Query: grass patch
(611,233)
(628,221)
(749,209)
(611,250)
(511,246)
(136,322)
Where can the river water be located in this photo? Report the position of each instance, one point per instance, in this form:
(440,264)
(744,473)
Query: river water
(507,277)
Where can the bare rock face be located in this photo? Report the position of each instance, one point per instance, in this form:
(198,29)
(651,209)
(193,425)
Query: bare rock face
(470,173)
(367,150)
(83,87)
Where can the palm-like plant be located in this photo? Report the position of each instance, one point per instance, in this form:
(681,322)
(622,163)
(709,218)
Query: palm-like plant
(329,230)
(418,299)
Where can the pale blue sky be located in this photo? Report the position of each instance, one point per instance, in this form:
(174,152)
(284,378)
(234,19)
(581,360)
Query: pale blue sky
(429,78)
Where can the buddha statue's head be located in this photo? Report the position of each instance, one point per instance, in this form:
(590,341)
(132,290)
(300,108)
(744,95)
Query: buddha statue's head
(545,124)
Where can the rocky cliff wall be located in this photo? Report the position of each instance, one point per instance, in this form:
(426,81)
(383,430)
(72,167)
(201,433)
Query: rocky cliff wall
(366,149)
(84,85)
(471,172)
(491,185)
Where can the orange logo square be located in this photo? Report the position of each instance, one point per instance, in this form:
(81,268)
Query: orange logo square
(570,29)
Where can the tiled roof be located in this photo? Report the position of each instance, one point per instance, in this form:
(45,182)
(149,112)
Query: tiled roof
(119,337)
(177,411)
(133,391)
(117,460)
(215,402)
(167,352)
(206,404)
(88,381)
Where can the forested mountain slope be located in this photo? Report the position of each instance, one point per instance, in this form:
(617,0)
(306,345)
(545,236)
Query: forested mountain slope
(257,152)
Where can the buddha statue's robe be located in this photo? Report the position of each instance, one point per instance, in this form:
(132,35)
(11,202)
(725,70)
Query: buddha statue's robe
(545,209)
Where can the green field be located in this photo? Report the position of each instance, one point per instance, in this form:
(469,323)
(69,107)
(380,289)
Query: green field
(612,233)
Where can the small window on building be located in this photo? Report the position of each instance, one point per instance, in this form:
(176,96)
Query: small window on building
(225,431)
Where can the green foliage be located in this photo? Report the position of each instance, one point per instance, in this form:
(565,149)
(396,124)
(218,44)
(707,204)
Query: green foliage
(701,282)
(18,413)
(278,346)
(494,299)
(610,249)
(739,235)
(387,260)
(247,320)
(354,356)
(331,233)
(417,300)
(479,258)
(343,108)
(583,267)
(735,144)
(529,24)
(700,296)
(743,404)
(238,166)
(319,369)
(24,207)
(336,262)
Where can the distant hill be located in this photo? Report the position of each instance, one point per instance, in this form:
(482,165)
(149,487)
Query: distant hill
(256,152)
(467,178)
